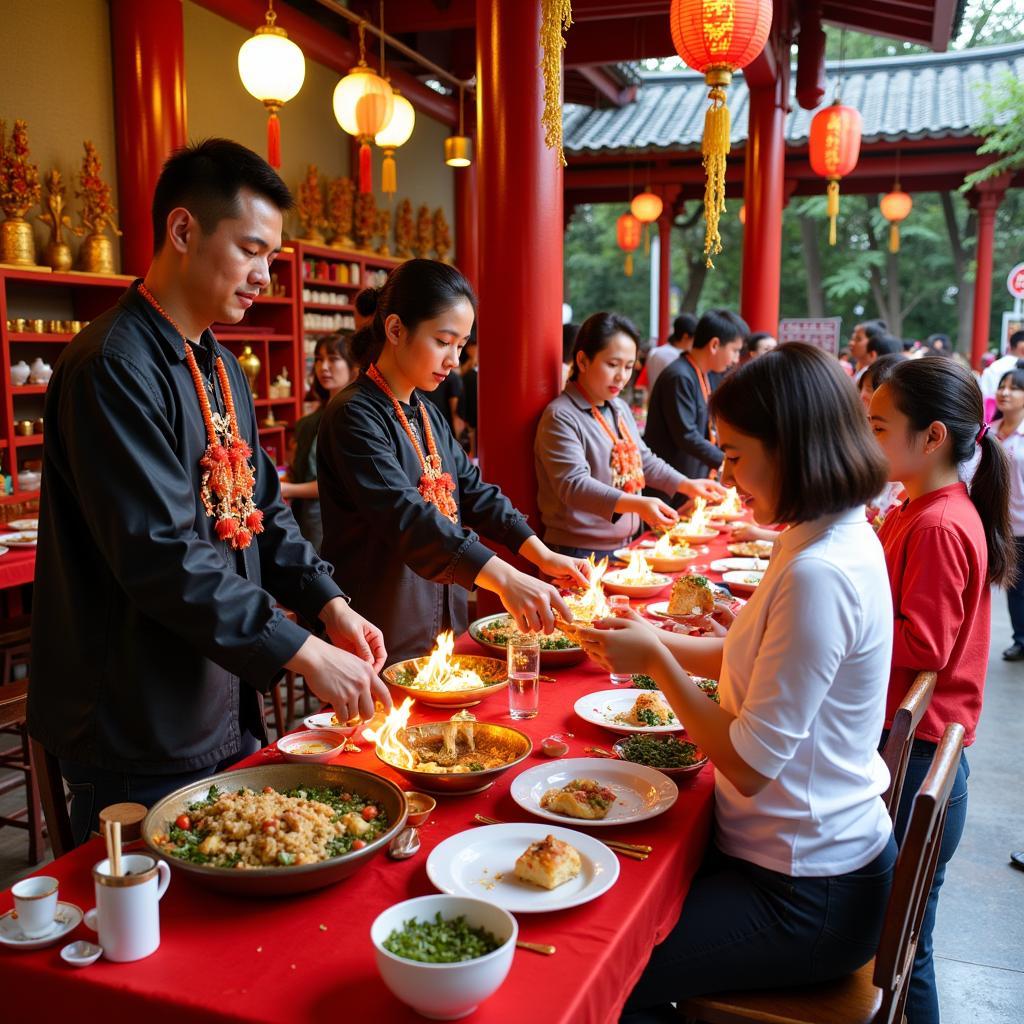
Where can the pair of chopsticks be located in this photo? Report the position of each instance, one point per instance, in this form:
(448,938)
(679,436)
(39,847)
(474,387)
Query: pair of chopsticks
(632,850)
(112,835)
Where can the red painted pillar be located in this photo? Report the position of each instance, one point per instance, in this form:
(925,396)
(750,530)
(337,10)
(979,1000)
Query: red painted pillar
(520,189)
(148,51)
(467,223)
(764,196)
(664,273)
(985,201)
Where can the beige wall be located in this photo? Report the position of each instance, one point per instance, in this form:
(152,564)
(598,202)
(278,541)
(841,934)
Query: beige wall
(55,73)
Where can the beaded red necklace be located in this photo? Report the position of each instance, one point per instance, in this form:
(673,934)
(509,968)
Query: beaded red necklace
(228,478)
(435,486)
(627,464)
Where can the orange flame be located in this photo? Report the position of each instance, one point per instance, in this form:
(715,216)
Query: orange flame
(591,604)
(440,672)
(696,524)
(389,746)
(638,572)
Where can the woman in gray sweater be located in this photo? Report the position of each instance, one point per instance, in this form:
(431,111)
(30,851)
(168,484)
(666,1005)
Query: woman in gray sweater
(592,465)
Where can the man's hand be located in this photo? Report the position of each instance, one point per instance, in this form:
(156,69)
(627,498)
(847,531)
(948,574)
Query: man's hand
(532,603)
(347,683)
(351,632)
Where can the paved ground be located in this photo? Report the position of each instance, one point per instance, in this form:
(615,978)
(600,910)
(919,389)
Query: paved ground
(979,939)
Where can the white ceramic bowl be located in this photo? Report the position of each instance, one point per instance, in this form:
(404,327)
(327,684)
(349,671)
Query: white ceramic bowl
(445,991)
(287,745)
(613,584)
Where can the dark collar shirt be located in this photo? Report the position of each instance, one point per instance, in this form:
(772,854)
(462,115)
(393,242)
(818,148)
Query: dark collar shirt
(405,566)
(151,637)
(677,422)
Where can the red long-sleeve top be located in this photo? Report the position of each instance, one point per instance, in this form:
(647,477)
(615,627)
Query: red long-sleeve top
(937,558)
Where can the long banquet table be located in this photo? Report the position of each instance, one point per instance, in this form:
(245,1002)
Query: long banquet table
(300,958)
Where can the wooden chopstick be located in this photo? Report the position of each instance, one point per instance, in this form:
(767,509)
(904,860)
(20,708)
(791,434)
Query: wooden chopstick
(636,851)
(536,947)
(108,838)
(115,841)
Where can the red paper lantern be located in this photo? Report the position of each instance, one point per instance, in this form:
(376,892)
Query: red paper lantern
(834,150)
(627,233)
(717,37)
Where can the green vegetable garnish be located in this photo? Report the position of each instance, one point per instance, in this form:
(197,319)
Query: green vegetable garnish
(650,717)
(642,682)
(659,753)
(440,942)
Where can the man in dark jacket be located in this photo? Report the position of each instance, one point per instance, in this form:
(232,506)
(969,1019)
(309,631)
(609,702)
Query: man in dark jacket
(156,625)
(678,427)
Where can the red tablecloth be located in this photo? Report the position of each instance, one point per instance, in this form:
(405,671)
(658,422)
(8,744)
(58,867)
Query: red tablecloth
(17,567)
(309,957)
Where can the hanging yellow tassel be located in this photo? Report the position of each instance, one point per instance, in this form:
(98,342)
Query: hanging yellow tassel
(715,148)
(894,237)
(629,264)
(833,208)
(389,173)
(556,17)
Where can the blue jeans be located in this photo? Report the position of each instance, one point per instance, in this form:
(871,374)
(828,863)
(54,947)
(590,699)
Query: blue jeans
(923,998)
(93,788)
(1015,597)
(744,927)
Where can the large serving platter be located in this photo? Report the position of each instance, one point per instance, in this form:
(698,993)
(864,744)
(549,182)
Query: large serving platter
(491,670)
(278,881)
(480,863)
(548,658)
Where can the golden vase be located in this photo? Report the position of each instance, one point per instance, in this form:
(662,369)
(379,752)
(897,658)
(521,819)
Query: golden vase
(250,364)
(96,255)
(17,243)
(57,255)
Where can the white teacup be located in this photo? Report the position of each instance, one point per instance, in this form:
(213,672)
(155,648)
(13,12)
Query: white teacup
(127,911)
(35,901)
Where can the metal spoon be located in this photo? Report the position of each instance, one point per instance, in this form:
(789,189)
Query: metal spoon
(406,844)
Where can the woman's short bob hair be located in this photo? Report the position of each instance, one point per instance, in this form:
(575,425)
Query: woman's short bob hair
(801,406)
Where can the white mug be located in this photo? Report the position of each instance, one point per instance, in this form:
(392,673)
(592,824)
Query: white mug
(35,901)
(127,911)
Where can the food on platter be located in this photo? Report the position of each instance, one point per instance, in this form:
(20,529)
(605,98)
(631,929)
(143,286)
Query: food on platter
(350,724)
(691,596)
(730,507)
(503,629)
(580,798)
(697,525)
(589,605)
(752,548)
(247,829)
(649,709)
(659,751)
(638,573)
(670,545)
(642,682)
(709,686)
(311,747)
(440,672)
(440,941)
(549,863)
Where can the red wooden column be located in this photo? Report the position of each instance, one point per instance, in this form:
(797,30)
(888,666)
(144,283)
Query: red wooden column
(467,223)
(148,52)
(764,196)
(520,190)
(985,199)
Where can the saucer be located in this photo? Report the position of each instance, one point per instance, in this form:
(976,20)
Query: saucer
(68,918)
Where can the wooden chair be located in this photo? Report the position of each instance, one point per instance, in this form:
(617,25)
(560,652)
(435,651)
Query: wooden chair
(896,752)
(54,800)
(18,759)
(877,993)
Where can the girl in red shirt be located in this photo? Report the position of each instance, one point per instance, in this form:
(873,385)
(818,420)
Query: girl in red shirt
(944,547)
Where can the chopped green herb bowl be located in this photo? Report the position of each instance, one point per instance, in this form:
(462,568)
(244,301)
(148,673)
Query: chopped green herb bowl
(283,879)
(443,991)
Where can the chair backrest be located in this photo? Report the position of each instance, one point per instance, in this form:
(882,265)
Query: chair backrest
(896,752)
(53,799)
(13,703)
(912,879)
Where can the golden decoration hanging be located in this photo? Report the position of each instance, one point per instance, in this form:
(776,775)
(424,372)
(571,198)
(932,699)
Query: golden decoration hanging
(556,17)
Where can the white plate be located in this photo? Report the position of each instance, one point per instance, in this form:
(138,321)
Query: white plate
(739,564)
(601,707)
(3,550)
(32,525)
(481,863)
(26,539)
(613,585)
(641,792)
(322,720)
(740,581)
(68,918)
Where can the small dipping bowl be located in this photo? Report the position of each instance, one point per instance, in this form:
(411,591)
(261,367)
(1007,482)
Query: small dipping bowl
(421,806)
(81,953)
(291,746)
(554,746)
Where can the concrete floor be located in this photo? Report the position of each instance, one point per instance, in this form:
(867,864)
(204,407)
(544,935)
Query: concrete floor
(979,937)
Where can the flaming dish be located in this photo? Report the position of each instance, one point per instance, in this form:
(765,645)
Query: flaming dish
(445,679)
(729,508)
(587,606)
(697,527)
(458,756)
(638,579)
(669,554)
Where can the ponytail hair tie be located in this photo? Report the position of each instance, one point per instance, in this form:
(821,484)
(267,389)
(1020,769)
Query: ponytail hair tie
(981,434)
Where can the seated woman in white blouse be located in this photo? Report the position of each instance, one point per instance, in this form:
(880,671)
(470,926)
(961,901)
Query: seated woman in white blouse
(795,883)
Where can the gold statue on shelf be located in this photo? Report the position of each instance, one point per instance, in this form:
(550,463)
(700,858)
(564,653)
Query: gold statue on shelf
(442,235)
(19,192)
(96,253)
(340,206)
(366,220)
(309,207)
(57,253)
(250,364)
(424,233)
(384,230)
(403,230)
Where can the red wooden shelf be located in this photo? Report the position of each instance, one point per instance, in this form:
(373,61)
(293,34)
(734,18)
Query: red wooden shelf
(23,337)
(326,281)
(25,440)
(28,389)
(332,307)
